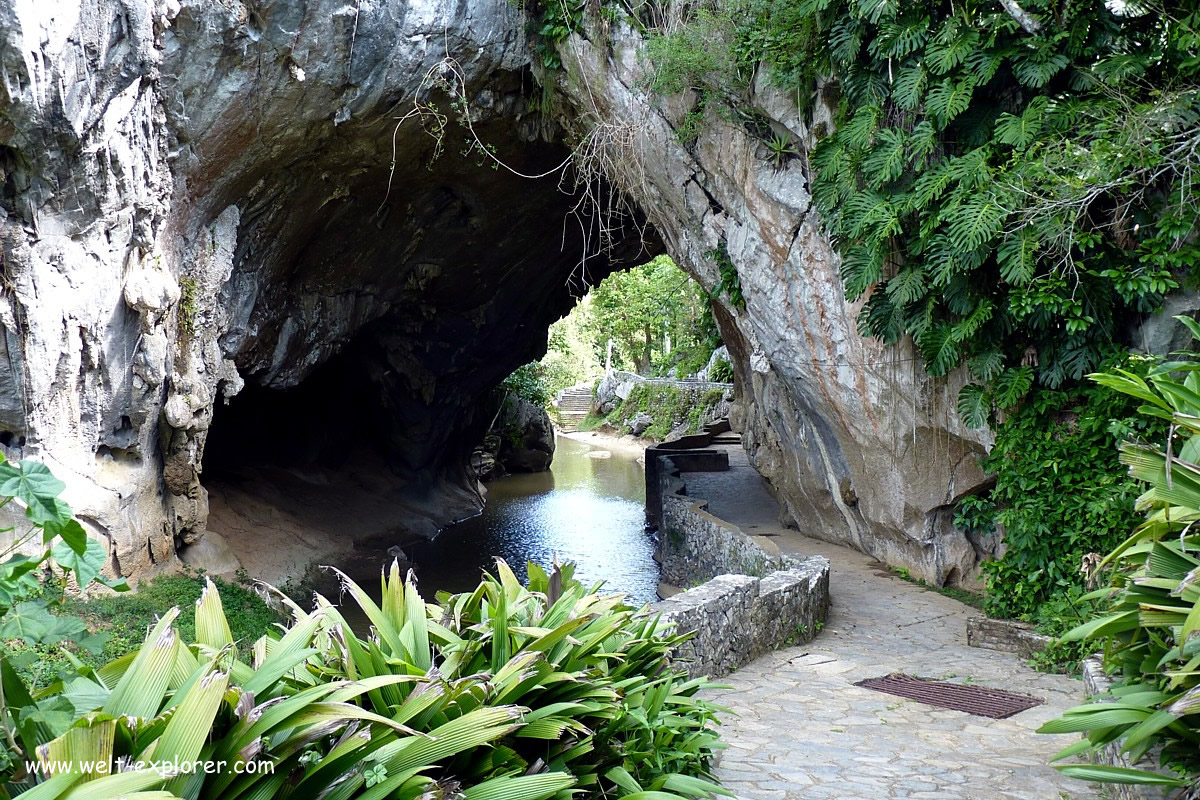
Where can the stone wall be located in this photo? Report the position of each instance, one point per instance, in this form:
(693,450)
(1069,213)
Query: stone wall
(753,601)
(737,618)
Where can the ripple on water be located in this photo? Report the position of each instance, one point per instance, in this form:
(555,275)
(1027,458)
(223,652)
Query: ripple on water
(587,510)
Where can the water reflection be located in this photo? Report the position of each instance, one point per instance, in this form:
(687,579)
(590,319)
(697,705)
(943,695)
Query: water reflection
(586,509)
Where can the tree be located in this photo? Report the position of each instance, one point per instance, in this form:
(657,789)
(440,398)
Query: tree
(657,316)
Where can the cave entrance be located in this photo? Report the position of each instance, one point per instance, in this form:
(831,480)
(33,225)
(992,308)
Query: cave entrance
(306,474)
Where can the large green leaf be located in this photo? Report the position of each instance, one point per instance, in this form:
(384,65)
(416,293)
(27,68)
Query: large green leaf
(33,483)
(86,564)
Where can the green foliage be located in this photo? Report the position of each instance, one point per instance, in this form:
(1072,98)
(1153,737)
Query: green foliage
(503,692)
(696,56)
(122,621)
(669,406)
(781,148)
(1058,444)
(31,585)
(730,284)
(551,22)
(1007,199)
(572,356)
(1150,618)
(188,288)
(657,316)
(722,371)
(953,592)
(528,382)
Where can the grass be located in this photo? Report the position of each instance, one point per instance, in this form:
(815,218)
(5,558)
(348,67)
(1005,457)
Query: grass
(592,422)
(972,599)
(126,618)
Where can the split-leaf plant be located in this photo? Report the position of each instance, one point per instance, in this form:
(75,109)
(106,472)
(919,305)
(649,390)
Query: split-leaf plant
(1007,189)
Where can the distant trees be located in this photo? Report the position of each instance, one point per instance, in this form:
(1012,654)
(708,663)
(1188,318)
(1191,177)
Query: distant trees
(658,318)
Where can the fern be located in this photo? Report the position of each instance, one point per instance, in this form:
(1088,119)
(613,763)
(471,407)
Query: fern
(973,405)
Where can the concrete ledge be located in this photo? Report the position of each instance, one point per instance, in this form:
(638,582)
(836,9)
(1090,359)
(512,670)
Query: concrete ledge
(737,618)
(755,599)
(1006,636)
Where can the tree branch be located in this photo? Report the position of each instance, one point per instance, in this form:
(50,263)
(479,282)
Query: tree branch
(1031,25)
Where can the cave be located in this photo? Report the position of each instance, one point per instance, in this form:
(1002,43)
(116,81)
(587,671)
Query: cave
(369,312)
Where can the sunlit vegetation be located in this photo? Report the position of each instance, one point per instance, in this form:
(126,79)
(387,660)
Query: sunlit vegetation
(501,693)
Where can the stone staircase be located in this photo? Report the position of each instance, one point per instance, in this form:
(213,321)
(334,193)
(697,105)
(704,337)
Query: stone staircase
(573,406)
(729,437)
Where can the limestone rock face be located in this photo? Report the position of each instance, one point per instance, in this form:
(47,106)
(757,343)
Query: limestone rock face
(527,437)
(269,218)
(254,249)
(862,447)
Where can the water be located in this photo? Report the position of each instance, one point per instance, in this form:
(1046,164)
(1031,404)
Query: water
(586,509)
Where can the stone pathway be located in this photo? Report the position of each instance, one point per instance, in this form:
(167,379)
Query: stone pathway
(803,730)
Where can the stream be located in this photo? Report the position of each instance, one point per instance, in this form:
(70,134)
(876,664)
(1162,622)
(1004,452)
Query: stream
(589,509)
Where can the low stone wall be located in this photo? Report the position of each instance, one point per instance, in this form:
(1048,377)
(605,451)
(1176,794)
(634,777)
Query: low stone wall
(737,618)
(1005,636)
(753,601)
(696,546)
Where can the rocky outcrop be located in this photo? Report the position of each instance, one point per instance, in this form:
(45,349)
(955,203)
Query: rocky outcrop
(259,271)
(862,447)
(270,219)
(525,437)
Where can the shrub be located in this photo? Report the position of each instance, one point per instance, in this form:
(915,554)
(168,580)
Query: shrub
(1148,630)
(503,692)
(1060,443)
(722,371)
(527,381)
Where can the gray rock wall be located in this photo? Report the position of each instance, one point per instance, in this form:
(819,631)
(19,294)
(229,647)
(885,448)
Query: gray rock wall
(863,448)
(198,197)
(737,618)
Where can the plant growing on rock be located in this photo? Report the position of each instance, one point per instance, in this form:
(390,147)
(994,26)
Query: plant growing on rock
(1006,187)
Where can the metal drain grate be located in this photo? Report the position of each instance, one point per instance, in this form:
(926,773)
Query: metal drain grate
(993,703)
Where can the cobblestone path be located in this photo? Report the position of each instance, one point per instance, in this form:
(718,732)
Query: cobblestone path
(802,730)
